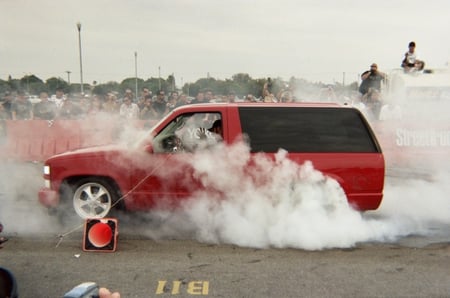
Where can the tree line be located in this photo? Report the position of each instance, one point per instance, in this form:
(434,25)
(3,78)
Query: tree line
(241,84)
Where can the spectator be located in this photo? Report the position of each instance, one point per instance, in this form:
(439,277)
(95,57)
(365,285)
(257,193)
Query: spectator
(84,102)
(410,61)
(160,105)
(58,98)
(2,239)
(173,100)
(128,109)
(231,97)
(286,96)
(45,109)
(128,93)
(182,100)
(7,103)
(111,105)
(147,112)
(371,79)
(372,101)
(250,98)
(21,108)
(4,115)
(216,98)
(268,96)
(200,98)
(141,103)
(94,106)
(70,110)
(209,96)
(145,94)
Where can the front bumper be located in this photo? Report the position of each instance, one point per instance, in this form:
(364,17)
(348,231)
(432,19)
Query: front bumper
(49,198)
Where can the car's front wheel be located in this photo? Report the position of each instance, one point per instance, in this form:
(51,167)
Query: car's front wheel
(92,200)
(90,197)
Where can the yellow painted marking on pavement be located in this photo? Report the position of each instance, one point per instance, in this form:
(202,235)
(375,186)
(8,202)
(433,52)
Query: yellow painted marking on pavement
(160,288)
(176,287)
(197,287)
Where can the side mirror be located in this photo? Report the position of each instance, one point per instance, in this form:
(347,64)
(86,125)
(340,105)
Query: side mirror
(149,148)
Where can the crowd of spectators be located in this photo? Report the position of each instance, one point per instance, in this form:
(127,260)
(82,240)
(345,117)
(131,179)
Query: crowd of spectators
(146,106)
(128,106)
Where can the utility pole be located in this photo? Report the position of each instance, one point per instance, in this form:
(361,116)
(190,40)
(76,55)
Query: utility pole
(68,76)
(81,61)
(159,77)
(135,74)
(173,81)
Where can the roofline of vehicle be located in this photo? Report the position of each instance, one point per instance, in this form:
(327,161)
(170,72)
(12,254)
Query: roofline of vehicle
(266,104)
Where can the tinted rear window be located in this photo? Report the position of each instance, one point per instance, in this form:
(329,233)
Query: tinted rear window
(306,129)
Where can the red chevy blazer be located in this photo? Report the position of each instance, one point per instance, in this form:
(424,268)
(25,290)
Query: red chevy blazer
(336,139)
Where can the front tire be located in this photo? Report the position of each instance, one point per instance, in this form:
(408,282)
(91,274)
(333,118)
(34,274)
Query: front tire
(90,197)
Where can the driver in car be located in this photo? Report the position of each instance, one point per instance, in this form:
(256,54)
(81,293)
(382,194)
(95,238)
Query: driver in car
(211,136)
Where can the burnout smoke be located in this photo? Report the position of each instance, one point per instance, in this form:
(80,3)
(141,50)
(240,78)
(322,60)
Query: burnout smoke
(278,204)
(20,212)
(275,203)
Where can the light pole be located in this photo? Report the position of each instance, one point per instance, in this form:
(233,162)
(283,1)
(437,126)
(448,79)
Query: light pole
(28,83)
(173,81)
(135,73)
(68,76)
(81,61)
(159,77)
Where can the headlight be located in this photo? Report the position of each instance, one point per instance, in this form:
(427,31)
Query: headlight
(46,170)
(47,183)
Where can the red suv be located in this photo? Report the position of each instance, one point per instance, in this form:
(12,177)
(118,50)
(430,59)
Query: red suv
(337,140)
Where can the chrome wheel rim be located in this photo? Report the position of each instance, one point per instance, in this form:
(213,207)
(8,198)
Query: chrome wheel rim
(92,200)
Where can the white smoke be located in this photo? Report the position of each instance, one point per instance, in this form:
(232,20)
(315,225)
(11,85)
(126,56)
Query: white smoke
(282,204)
(275,203)
(420,201)
(278,203)
(20,212)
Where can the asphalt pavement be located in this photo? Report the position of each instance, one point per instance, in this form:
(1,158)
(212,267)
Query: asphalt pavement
(410,259)
(186,268)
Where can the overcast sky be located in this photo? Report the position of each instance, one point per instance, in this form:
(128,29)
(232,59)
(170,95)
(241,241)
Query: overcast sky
(318,40)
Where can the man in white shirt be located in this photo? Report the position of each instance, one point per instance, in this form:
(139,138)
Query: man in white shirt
(410,61)
(128,109)
(58,98)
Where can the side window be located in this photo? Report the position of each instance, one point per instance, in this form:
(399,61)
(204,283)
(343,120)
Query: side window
(322,130)
(189,132)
